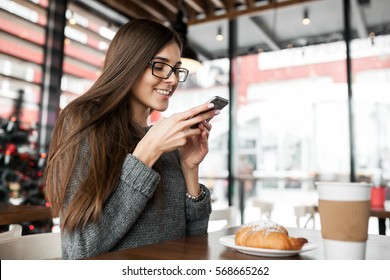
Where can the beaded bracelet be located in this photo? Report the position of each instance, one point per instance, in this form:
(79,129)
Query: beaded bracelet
(197,197)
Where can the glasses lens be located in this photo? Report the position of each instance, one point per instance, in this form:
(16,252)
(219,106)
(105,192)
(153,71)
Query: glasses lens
(182,74)
(161,70)
(164,71)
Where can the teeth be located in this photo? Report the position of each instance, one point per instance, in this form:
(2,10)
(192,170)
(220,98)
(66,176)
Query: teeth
(163,91)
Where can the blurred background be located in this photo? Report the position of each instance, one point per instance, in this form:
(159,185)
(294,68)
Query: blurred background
(308,84)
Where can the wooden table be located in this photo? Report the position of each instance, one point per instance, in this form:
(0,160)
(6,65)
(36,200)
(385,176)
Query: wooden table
(14,214)
(207,247)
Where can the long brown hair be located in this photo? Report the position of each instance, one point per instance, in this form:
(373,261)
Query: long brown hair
(99,124)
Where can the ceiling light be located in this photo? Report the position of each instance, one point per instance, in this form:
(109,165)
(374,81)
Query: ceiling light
(72,21)
(306,19)
(188,57)
(219,36)
(70,16)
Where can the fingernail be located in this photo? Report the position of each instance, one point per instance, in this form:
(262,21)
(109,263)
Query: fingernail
(211,105)
(217,112)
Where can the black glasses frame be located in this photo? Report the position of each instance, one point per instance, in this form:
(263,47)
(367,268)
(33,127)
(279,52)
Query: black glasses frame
(173,69)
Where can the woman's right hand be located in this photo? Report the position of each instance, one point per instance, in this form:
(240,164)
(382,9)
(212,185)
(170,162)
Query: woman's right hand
(172,133)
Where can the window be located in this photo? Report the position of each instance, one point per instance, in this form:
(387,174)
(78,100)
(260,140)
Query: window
(22,38)
(87,39)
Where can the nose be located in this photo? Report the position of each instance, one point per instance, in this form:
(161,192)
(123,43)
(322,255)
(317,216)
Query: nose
(173,78)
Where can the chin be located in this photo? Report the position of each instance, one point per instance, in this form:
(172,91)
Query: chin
(161,108)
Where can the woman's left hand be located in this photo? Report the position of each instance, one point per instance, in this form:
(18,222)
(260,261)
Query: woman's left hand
(196,148)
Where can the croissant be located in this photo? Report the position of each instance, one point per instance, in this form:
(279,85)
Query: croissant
(268,236)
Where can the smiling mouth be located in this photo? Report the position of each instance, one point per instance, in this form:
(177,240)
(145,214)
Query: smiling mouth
(164,92)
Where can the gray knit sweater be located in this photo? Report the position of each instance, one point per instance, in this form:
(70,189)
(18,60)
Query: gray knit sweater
(145,208)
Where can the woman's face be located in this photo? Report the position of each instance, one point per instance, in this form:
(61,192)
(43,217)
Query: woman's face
(151,92)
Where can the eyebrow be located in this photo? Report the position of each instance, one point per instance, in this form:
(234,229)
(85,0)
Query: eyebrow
(166,60)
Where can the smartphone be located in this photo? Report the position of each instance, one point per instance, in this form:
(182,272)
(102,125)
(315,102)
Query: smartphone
(219,104)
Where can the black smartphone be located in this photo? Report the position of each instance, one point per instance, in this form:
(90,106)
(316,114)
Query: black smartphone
(219,104)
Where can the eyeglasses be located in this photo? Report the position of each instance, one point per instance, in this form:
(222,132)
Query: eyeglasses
(164,71)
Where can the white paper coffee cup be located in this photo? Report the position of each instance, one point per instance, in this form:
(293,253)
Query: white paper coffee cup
(344,212)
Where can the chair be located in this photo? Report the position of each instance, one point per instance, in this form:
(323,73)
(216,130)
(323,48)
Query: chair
(15,230)
(305,211)
(41,246)
(266,207)
(226,215)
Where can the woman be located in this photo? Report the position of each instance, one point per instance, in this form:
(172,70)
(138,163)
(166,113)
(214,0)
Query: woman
(115,182)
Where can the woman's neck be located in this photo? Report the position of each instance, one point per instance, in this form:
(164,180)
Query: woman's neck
(141,115)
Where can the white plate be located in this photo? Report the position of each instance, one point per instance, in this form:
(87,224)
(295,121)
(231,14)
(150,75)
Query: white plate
(229,242)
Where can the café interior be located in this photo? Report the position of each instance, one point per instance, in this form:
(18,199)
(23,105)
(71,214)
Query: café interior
(308,84)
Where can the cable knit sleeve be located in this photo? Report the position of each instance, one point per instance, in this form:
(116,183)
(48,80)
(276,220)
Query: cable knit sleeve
(198,214)
(136,186)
